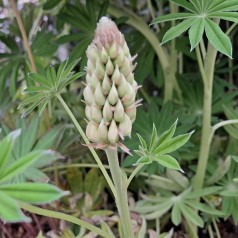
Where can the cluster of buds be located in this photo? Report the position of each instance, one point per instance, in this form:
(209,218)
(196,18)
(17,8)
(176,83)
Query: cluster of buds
(110,92)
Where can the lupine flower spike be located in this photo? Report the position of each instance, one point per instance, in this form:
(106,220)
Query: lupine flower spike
(110,90)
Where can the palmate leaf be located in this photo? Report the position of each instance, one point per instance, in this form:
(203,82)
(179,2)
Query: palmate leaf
(50,84)
(9,211)
(196,32)
(39,193)
(218,38)
(178,29)
(200,16)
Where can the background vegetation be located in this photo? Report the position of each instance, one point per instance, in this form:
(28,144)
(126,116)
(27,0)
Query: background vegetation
(174,87)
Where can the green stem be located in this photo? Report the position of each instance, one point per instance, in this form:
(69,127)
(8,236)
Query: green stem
(81,132)
(207,73)
(210,231)
(221,124)
(136,170)
(170,74)
(121,198)
(65,217)
(216,228)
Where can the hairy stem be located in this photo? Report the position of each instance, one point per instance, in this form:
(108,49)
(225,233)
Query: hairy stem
(65,217)
(120,182)
(24,36)
(136,170)
(207,71)
(81,132)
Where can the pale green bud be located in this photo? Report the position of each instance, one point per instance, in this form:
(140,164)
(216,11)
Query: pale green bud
(109,67)
(113,133)
(131,113)
(126,50)
(94,81)
(119,112)
(88,95)
(129,99)
(107,112)
(113,95)
(111,90)
(130,78)
(106,85)
(90,67)
(122,90)
(103,131)
(104,55)
(92,132)
(96,114)
(100,70)
(116,77)
(125,126)
(93,54)
(88,112)
(120,58)
(113,51)
(126,67)
(88,78)
(99,97)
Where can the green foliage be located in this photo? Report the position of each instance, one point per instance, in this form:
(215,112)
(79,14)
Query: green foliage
(160,147)
(199,21)
(52,83)
(11,193)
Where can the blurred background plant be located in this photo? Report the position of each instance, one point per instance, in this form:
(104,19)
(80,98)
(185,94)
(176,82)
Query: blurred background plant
(172,88)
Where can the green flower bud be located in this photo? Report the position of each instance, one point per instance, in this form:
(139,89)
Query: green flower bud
(93,54)
(90,67)
(103,131)
(88,112)
(116,77)
(88,95)
(106,85)
(111,90)
(94,81)
(99,97)
(122,88)
(100,71)
(113,95)
(109,67)
(120,58)
(119,112)
(131,113)
(125,126)
(96,114)
(113,51)
(126,67)
(104,55)
(92,132)
(107,112)
(113,133)
(130,78)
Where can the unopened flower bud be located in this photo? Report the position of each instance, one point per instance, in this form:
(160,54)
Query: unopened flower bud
(116,77)
(103,131)
(119,112)
(95,114)
(99,98)
(88,95)
(111,90)
(107,112)
(113,133)
(125,126)
(106,85)
(109,67)
(92,132)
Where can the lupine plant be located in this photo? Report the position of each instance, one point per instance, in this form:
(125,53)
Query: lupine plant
(146,120)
